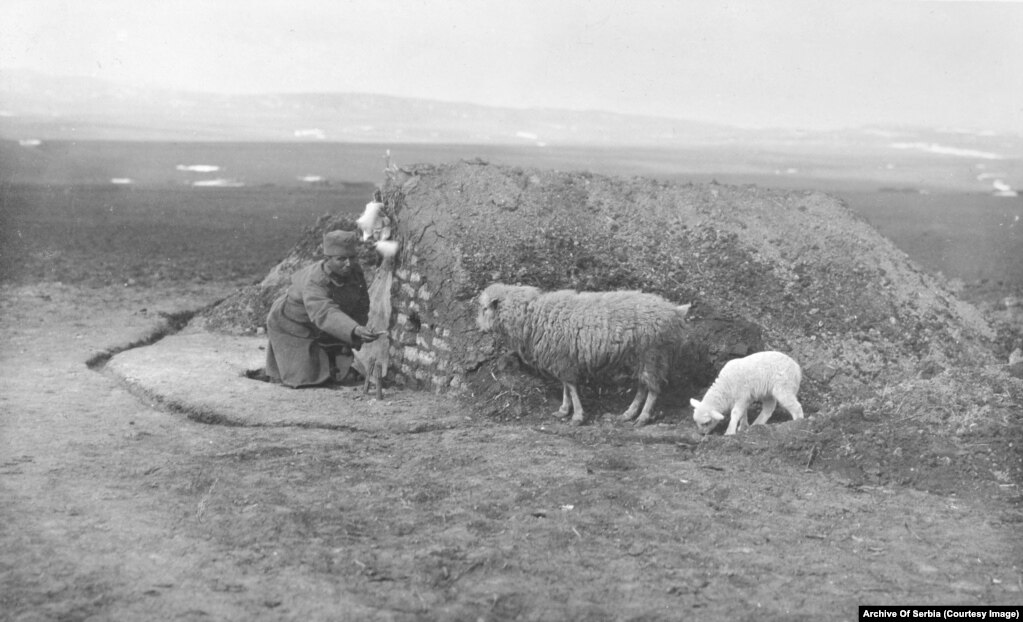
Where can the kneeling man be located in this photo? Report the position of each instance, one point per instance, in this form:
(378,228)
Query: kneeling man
(314,326)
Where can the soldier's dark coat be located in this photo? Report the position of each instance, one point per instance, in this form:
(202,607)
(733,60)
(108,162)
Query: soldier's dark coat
(317,309)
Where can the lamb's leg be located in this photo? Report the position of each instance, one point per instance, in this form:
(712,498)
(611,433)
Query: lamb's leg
(789,402)
(644,417)
(767,406)
(633,409)
(738,414)
(744,421)
(566,404)
(577,406)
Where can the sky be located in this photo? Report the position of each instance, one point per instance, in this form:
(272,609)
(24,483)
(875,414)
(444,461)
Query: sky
(814,64)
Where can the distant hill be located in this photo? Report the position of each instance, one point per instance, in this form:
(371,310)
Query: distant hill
(34,106)
(37,109)
(61,108)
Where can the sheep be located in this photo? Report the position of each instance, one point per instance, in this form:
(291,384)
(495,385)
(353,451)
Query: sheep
(771,377)
(573,335)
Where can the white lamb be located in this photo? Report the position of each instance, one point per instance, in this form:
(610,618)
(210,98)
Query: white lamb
(572,335)
(771,377)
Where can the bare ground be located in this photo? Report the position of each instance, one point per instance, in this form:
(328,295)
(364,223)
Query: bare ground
(117,507)
(118,503)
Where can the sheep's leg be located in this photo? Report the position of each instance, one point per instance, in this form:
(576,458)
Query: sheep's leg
(738,415)
(377,373)
(789,402)
(767,406)
(566,403)
(633,409)
(644,417)
(577,406)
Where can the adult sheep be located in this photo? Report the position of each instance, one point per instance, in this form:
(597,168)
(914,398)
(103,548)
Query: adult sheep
(576,335)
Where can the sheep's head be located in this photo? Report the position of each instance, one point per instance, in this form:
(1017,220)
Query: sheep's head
(498,297)
(706,418)
(487,304)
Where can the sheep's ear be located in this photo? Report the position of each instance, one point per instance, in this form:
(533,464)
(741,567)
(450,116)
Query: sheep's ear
(716,415)
(694,403)
(684,309)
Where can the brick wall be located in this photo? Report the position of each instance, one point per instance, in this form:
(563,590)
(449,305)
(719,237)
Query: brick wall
(421,349)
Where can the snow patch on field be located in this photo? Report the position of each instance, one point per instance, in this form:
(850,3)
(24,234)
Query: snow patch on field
(1003,189)
(315,133)
(945,150)
(218,183)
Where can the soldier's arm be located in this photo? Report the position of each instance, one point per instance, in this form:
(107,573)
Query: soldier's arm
(326,315)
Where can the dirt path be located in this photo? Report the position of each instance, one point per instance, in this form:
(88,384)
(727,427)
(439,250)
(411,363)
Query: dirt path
(116,510)
(82,535)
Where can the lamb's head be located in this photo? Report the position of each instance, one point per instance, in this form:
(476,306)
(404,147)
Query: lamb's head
(706,418)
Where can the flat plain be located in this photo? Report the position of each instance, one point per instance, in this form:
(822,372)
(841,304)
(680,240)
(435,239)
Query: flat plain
(120,508)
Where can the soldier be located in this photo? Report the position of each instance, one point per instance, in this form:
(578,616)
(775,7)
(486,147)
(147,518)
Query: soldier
(315,325)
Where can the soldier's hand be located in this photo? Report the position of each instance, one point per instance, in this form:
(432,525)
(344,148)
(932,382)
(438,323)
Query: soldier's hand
(366,334)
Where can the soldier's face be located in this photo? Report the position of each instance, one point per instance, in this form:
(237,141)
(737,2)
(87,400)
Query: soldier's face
(340,266)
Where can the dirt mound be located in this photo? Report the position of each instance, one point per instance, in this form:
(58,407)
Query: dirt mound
(793,271)
(900,378)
